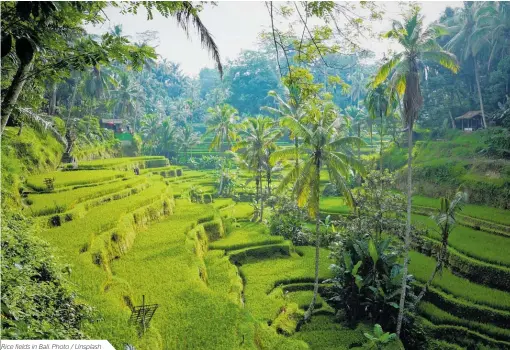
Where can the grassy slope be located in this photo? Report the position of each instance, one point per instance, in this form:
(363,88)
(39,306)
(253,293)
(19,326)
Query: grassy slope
(422,266)
(496,215)
(477,244)
(161,267)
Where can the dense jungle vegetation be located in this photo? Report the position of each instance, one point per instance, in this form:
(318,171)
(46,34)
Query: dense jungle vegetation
(304,195)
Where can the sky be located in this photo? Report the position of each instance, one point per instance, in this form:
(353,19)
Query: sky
(235,26)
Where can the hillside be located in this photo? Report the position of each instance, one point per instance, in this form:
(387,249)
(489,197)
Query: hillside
(441,166)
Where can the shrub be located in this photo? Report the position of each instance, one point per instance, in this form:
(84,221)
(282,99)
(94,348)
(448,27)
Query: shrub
(497,142)
(34,288)
(287,219)
(214,229)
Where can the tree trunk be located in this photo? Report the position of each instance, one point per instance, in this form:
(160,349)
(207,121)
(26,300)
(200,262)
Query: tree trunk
(268,178)
(440,261)
(296,145)
(451,119)
(53,99)
(308,314)
(407,238)
(261,196)
(11,97)
(381,143)
(477,77)
(71,104)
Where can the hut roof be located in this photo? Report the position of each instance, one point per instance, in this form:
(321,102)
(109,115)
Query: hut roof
(469,115)
(112,121)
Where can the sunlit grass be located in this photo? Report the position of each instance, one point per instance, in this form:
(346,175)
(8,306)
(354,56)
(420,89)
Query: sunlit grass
(421,267)
(73,178)
(47,203)
(477,244)
(438,316)
(248,235)
(496,215)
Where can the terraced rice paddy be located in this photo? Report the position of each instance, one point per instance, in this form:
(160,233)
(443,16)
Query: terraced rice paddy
(222,281)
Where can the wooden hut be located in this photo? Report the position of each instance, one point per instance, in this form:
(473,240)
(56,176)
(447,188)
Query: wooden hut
(469,121)
(113,124)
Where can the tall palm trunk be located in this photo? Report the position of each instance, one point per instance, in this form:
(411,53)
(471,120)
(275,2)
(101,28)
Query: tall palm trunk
(477,78)
(11,97)
(308,314)
(53,99)
(261,195)
(71,104)
(407,238)
(451,119)
(296,146)
(440,261)
(381,143)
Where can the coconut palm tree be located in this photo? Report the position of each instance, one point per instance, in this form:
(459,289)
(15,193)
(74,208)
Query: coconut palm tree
(257,137)
(358,118)
(293,106)
(187,138)
(493,23)
(221,124)
(323,147)
(419,46)
(380,105)
(468,41)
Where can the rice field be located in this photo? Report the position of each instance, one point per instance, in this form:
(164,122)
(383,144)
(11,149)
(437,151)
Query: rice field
(186,263)
(73,178)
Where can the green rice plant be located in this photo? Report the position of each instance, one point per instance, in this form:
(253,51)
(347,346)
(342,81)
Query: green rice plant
(302,299)
(249,234)
(421,266)
(477,271)
(72,178)
(476,244)
(123,163)
(439,316)
(497,215)
(261,277)
(335,205)
(44,203)
(466,309)
(186,301)
(322,333)
(246,255)
(462,335)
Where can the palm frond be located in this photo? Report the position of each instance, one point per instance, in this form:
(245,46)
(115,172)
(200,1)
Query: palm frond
(385,70)
(444,58)
(183,18)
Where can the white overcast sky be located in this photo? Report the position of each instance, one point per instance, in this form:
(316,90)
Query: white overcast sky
(235,26)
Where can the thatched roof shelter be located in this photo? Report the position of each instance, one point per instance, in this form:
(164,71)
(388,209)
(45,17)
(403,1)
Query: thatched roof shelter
(469,115)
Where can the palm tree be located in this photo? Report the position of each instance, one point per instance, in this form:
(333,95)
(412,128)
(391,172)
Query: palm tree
(357,117)
(379,105)
(493,22)
(322,147)
(221,124)
(150,128)
(467,41)
(257,137)
(357,86)
(445,220)
(187,138)
(292,106)
(402,69)
(167,136)
(128,95)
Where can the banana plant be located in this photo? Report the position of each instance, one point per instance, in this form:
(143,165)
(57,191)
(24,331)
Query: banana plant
(378,339)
